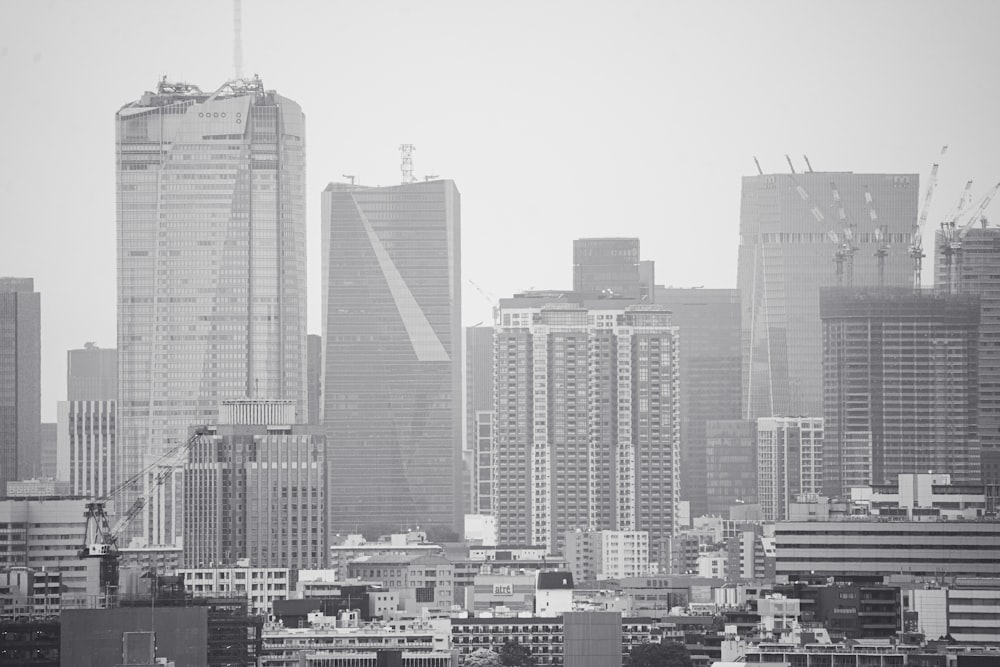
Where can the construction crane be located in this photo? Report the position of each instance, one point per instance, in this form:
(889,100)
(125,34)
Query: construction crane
(916,233)
(881,237)
(101,540)
(845,240)
(954,229)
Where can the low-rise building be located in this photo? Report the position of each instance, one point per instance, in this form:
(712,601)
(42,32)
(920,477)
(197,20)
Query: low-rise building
(922,497)
(29,594)
(512,591)
(261,586)
(353,547)
(966,609)
(423,582)
(608,554)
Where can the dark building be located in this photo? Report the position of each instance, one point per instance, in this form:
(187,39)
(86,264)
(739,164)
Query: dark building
(95,637)
(30,643)
(847,610)
(610,268)
(314,377)
(708,321)
(295,613)
(901,386)
(92,374)
(20,380)
(48,435)
(973,267)
(393,378)
(478,418)
(731,464)
(786,255)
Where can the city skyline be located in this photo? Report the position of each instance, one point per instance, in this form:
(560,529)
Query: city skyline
(643,65)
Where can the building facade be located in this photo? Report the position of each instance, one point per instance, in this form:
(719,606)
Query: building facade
(608,554)
(730,464)
(211,268)
(586,431)
(393,336)
(901,386)
(611,268)
(92,374)
(20,380)
(785,256)
(256,488)
(708,322)
(789,462)
(974,268)
(314,371)
(478,411)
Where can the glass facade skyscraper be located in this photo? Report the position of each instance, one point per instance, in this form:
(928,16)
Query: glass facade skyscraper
(786,255)
(393,339)
(211,266)
(20,380)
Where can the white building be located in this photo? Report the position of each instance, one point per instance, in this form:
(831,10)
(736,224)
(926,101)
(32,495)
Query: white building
(260,585)
(86,435)
(929,496)
(789,462)
(608,554)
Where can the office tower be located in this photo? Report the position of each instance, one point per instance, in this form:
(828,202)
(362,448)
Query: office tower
(255,487)
(610,268)
(47,444)
(708,322)
(86,445)
(730,464)
(393,335)
(211,267)
(478,416)
(974,268)
(314,369)
(92,374)
(901,386)
(20,379)
(785,257)
(586,431)
(789,462)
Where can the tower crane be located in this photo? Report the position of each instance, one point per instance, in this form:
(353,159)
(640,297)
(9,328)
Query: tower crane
(846,249)
(916,233)
(956,228)
(101,540)
(881,237)
(845,246)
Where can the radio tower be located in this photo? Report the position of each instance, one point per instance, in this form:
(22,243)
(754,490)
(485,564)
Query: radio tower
(237,39)
(406,152)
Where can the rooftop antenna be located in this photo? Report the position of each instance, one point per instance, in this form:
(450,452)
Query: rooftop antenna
(237,39)
(406,152)
(349,177)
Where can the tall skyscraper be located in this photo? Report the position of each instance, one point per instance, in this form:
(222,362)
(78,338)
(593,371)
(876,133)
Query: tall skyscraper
(974,268)
(789,462)
(393,335)
(586,432)
(901,386)
(785,257)
(92,374)
(211,266)
(255,487)
(478,416)
(314,369)
(20,380)
(708,322)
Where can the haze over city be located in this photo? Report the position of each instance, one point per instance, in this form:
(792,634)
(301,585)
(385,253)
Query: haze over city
(557,120)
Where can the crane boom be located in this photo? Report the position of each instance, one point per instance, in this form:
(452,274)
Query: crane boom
(916,235)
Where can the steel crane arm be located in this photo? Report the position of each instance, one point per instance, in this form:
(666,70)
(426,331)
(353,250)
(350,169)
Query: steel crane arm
(977,212)
(828,229)
(916,237)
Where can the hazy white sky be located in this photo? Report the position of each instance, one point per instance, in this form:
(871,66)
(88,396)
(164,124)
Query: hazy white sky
(557,120)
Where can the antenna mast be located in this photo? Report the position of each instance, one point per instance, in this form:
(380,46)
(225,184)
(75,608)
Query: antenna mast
(238,39)
(406,152)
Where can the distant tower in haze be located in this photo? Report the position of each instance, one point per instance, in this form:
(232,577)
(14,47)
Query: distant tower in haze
(91,374)
(314,369)
(86,439)
(611,268)
(211,267)
(393,353)
(478,418)
(786,255)
(20,380)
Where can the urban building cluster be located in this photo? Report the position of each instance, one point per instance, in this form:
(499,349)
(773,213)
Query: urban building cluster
(804,469)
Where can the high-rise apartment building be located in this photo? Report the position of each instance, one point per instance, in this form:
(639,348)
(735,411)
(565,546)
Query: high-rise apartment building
(20,380)
(586,430)
(393,337)
(610,268)
(785,257)
(901,386)
(211,266)
(92,374)
(255,487)
(789,462)
(708,322)
(478,410)
(314,370)
(730,464)
(608,554)
(974,268)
